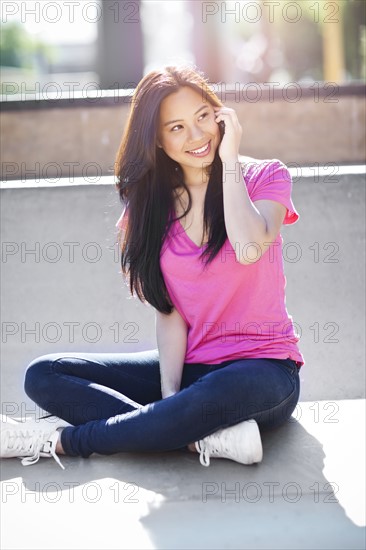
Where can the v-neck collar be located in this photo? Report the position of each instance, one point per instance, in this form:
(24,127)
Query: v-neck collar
(188,238)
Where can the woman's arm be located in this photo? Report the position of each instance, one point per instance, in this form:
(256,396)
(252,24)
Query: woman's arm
(257,223)
(247,223)
(171,335)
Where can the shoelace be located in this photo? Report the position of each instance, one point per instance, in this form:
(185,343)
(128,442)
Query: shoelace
(211,447)
(31,442)
(204,454)
(205,451)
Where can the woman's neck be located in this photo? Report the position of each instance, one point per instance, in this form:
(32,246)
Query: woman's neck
(196,178)
(197,182)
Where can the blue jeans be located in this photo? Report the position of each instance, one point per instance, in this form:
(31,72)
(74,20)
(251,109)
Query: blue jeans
(114,401)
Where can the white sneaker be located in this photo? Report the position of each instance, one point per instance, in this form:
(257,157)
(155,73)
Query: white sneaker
(30,439)
(241,442)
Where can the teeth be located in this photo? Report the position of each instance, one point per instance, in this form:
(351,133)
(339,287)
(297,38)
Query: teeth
(201,150)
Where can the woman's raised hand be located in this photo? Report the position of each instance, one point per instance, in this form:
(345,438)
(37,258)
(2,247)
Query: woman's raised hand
(229,146)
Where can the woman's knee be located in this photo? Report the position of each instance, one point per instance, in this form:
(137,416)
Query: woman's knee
(36,374)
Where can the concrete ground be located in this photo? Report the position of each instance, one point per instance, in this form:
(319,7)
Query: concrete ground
(308,493)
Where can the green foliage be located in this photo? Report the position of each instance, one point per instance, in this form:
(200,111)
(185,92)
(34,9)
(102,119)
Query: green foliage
(19,49)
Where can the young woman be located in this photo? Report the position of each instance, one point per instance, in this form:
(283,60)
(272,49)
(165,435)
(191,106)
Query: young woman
(200,242)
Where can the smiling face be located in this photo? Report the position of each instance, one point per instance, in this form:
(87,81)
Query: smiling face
(188,132)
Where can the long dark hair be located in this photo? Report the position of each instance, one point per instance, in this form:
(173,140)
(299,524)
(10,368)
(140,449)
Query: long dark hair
(146,180)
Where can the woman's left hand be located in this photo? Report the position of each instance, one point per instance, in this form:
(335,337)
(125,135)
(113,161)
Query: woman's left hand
(229,146)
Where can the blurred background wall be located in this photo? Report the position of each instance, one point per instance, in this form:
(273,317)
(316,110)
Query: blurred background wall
(295,71)
(112,43)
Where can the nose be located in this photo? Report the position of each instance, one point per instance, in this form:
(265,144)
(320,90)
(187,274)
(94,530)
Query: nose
(195,133)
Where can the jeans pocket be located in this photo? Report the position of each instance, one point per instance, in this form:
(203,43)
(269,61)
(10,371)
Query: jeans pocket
(289,365)
(292,365)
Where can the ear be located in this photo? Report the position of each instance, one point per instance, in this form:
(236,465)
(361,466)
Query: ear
(159,145)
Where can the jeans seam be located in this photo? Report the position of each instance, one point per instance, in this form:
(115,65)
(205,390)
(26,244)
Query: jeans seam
(283,402)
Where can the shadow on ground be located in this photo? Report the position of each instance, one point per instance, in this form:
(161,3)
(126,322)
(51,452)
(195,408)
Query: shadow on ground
(170,501)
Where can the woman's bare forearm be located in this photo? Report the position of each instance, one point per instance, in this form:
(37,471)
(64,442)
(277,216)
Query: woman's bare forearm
(171,335)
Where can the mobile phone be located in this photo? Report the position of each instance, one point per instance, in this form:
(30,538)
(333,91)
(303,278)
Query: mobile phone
(222,128)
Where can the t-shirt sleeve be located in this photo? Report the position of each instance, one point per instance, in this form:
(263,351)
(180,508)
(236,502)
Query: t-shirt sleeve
(271,180)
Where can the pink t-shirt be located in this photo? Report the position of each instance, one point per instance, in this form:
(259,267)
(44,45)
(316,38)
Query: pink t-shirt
(232,310)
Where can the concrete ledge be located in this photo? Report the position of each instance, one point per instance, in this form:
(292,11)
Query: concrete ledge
(251,92)
(330,172)
(322,123)
(306,494)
